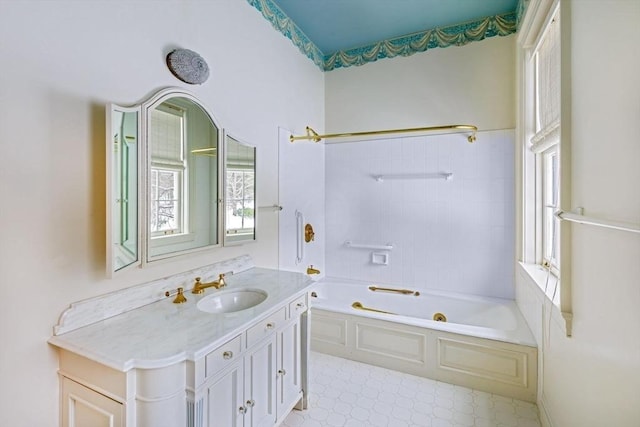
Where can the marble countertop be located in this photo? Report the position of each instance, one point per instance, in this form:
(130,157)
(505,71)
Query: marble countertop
(162,333)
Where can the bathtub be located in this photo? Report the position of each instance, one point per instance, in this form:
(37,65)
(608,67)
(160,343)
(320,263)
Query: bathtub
(484,343)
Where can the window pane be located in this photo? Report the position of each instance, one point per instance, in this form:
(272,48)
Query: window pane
(551,224)
(240,201)
(165,202)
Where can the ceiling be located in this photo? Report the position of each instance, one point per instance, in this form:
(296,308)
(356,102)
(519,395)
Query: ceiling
(340,25)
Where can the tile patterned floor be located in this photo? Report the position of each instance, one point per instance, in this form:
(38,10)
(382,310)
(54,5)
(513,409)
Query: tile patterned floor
(352,394)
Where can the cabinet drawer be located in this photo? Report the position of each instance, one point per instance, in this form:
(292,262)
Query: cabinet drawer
(298,306)
(222,356)
(265,327)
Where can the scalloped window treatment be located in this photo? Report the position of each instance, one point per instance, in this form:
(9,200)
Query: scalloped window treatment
(548,89)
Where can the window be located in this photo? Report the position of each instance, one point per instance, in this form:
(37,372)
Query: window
(544,143)
(240,201)
(167,175)
(541,152)
(544,135)
(166,198)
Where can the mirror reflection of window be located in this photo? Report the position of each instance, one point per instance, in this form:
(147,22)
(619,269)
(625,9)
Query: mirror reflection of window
(168,205)
(182,178)
(240,192)
(240,201)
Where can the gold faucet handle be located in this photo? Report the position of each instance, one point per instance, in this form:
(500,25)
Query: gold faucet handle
(179,294)
(221,281)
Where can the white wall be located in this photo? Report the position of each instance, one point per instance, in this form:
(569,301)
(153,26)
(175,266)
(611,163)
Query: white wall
(455,235)
(302,190)
(62,62)
(592,378)
(472,84)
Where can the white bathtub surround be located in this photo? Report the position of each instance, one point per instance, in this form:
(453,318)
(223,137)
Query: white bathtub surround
(454,235)
(485,344)
(353,394)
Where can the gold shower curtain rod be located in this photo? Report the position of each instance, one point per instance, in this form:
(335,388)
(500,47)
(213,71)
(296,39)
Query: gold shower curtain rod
(314,136)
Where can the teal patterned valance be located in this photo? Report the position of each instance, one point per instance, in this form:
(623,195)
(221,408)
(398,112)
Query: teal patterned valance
(455,35)
(289,29)
(521,9)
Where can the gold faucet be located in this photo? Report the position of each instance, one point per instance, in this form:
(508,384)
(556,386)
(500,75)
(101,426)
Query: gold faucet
(311,270)
(199,287)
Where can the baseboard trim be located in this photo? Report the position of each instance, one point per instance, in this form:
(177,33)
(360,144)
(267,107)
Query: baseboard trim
(545,418)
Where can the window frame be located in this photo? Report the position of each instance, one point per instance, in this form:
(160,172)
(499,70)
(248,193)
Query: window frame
(554,283)
(549,189)
(180,167)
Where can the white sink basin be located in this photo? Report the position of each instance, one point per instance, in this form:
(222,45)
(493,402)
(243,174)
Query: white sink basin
(232,300)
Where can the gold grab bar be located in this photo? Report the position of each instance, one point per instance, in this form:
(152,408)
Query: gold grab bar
(314,136)
(399,291)
(358,306)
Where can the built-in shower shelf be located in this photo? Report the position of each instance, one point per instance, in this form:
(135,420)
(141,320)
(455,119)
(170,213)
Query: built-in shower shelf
(439,175)
(351,244)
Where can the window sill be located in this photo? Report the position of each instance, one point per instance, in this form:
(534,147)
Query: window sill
(539,280)
(171,239)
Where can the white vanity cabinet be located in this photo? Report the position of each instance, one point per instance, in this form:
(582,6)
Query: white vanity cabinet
(290,358)
(82,406)
(253,379)
(265,382)
(243,394)
(154,363)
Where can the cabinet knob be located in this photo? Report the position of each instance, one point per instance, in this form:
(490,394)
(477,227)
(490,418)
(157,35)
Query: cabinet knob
(251,403)
(227,355)
(270,325)
(242,410)
(300,305)
(282,372)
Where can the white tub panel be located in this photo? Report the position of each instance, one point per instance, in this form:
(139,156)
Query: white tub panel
(391,342)
(500,368)
(482,361)
(329,329)
(484,364)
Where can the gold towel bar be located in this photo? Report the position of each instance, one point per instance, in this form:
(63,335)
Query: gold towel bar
(314,136)
(399,291)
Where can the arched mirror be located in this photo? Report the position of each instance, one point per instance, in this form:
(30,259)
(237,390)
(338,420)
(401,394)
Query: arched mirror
(163,180)
(240,192)
(182,168)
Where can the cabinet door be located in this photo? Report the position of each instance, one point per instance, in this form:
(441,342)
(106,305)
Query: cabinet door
(260,384)
(289,367)
(225,407)
(84,407)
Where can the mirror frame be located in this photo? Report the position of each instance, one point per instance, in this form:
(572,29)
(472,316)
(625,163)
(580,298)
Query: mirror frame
(227,240)
(143,164)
